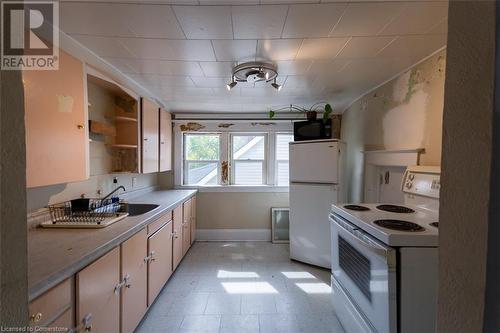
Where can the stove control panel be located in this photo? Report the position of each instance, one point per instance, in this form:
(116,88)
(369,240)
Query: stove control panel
(423,181)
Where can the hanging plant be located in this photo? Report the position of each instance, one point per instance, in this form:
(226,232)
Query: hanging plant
(311,113)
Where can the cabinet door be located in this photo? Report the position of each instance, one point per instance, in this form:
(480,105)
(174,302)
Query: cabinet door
(134,276)
(97,295)
(193,220)
(160,260)
(186,226)
(57,141)
(150,136)
(165,140)
(177,248)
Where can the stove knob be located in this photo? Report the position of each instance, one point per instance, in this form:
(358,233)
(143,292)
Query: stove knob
(411,176)
(408,184)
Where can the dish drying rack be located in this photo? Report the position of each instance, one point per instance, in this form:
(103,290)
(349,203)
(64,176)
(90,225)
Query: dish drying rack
(85,213)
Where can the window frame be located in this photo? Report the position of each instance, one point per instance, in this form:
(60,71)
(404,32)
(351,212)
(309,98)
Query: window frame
(186,162)
(269,167)
(276,160)
(231,160)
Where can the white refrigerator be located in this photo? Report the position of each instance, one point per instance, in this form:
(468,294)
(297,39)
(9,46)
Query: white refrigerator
(316,172)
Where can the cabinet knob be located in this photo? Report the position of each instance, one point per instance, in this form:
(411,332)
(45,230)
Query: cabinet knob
(36,318)
(80,126)
(126,280)
(150,257)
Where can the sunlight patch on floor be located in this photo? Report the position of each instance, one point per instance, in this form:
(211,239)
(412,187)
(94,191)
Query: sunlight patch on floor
(298,275)
(314,288)
(222,274)
(249,288)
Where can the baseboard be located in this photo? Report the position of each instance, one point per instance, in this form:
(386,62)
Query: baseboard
(233,235)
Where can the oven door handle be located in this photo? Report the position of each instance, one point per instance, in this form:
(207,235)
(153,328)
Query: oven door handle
(366,242)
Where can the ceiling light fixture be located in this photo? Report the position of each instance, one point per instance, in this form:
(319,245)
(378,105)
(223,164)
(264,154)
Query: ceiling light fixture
(254,71)
(231,85)
(275,85)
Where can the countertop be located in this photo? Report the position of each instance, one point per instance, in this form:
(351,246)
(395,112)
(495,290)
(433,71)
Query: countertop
(56,254)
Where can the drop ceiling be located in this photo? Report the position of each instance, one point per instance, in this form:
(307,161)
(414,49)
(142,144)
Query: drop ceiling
(183,52)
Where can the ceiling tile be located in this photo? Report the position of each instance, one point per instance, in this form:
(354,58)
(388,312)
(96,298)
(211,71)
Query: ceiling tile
(217,69)
(163,80)
(235,50)
(161,67)
(328,67)
(278,49)
(417,18)
(321,48)
(293,67)
(414,47)
(366,19)
(119,20)
(364,47)
(105,46)
(186,50)
(258,22)
(205,22)
(440,28)
(298,81)
(209,82)
(312,20)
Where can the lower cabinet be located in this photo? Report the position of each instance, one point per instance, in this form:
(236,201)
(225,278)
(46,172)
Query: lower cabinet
(114,292)
(193,219)
(134,275)
(54,308)
(186,226)
(159,260)
(177,247)
(98,294)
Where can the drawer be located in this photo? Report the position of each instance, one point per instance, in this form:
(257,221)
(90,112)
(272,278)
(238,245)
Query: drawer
(64,323)
(45,308)
(156,225)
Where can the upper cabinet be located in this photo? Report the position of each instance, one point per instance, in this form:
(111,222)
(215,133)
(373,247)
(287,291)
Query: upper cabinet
(57,141)
(150,136)
(165,140)
(114,126)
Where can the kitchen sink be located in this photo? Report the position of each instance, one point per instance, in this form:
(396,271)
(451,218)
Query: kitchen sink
(139,209)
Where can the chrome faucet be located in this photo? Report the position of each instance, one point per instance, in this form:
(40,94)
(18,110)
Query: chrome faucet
(112,192)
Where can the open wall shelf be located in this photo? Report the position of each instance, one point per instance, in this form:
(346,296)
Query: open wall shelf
(114,120)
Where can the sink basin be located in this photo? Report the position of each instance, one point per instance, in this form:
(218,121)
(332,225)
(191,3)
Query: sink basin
(139,209)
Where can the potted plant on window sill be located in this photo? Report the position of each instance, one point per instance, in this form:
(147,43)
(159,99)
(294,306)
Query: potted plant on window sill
(311,113)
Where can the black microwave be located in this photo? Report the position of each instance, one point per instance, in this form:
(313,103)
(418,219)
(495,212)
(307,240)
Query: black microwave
(312,130)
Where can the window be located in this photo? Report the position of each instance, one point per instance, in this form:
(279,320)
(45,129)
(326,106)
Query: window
(248,159)
(235,158)
(282,163)
(201,159)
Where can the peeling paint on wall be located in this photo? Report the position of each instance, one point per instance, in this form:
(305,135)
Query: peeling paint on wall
(225,125)
(405,113)
(192,127)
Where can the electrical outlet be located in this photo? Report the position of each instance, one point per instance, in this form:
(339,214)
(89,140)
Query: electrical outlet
(134,182)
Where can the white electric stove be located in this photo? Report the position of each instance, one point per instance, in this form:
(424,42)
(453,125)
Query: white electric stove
(385,259)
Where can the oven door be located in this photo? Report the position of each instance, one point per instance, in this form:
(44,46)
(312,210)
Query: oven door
(365,269)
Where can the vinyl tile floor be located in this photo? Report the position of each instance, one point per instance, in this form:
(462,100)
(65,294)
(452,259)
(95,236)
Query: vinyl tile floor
(233,287)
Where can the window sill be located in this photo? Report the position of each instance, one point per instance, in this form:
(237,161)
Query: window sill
(237,188)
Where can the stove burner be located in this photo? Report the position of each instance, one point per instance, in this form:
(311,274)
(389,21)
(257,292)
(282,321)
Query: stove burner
(357,207)
(399,225)
(395,209)
(435,224)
